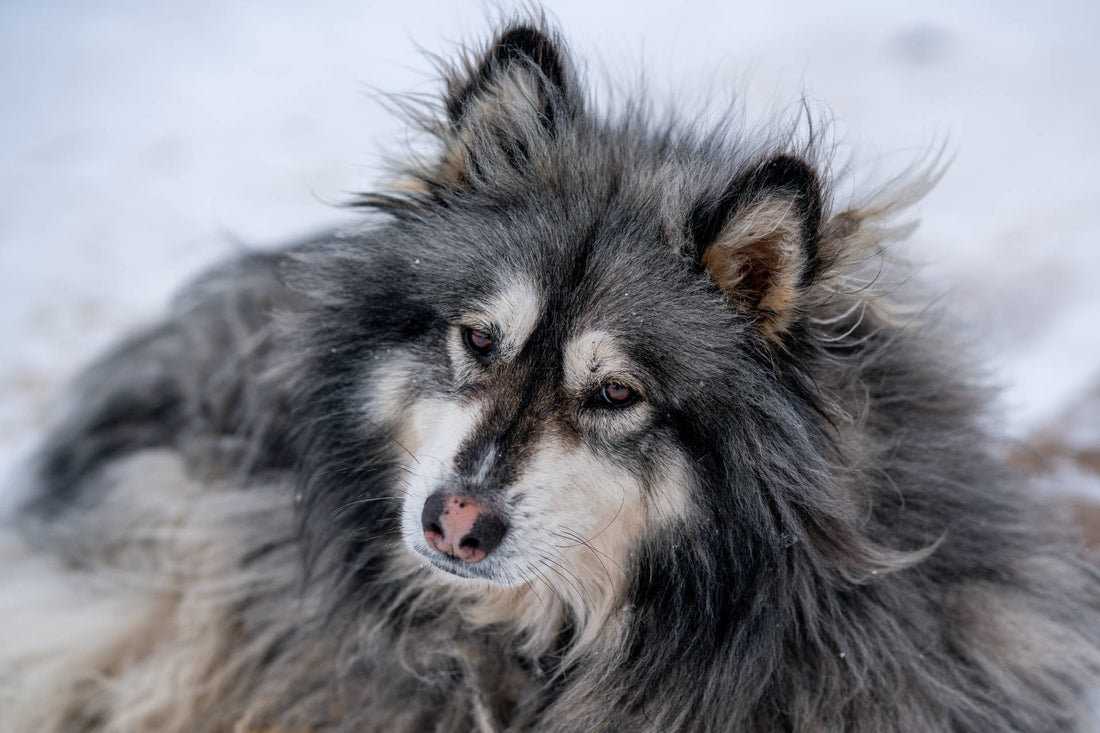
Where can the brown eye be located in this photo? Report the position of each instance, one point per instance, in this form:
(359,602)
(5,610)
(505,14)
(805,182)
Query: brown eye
(617,394)
(481,343)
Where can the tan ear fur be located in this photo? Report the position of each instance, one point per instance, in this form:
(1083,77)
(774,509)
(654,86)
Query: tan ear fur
(758,259)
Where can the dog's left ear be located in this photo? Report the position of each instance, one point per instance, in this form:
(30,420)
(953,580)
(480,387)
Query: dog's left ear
(505,103)
(758,241)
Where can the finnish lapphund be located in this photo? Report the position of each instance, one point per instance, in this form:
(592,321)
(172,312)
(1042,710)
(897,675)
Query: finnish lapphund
(599,422)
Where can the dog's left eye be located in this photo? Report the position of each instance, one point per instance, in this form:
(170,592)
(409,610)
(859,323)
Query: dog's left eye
(617,394)
(481,343)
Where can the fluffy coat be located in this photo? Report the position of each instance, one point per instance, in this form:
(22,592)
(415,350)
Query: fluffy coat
(842,548)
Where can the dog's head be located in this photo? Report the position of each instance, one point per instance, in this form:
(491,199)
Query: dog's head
(563,325)
(588,283)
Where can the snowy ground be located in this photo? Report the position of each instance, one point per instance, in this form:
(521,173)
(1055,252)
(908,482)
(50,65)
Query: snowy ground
(140,141)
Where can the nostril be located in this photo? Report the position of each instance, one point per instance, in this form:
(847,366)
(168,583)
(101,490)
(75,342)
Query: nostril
(431,521)
(432,515)
(469,550)
(491,532)
(484,536)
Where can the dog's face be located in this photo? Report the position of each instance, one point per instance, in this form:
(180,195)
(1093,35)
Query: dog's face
(544,449)
(575,308)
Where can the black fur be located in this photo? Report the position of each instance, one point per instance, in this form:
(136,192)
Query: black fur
(854,556)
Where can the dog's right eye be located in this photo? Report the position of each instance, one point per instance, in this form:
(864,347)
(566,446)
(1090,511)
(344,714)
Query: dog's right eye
(481,343)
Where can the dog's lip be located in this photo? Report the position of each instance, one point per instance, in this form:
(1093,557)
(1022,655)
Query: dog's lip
(452,565)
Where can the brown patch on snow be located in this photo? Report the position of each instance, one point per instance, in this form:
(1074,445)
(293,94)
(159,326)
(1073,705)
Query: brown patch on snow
(1065,456)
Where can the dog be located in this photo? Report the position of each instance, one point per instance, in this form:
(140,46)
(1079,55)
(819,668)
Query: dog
(600,421)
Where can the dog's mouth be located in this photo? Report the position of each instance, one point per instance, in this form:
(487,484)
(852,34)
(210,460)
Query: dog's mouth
(454,566)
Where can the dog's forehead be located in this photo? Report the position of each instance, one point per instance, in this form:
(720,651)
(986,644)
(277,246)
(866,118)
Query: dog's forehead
(580,298)
(603,284)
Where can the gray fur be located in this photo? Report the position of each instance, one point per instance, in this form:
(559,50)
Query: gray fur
(852,554)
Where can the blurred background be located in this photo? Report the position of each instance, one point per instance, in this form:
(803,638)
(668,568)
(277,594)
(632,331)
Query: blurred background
(140,142)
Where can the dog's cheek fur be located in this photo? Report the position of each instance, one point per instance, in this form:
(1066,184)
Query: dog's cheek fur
(578,520)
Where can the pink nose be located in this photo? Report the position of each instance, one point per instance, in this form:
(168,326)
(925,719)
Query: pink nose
(461,527)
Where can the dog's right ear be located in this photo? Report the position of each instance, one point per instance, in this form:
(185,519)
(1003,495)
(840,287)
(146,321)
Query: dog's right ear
(506,103)
(525,69)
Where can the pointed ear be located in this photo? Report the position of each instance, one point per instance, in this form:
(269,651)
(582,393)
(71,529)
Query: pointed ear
(531,59)
(502,104)
(758,241)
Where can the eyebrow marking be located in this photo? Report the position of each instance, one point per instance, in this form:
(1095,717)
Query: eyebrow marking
(515,310)
(591,357)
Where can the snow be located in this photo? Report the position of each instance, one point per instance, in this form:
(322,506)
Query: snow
(141,141)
